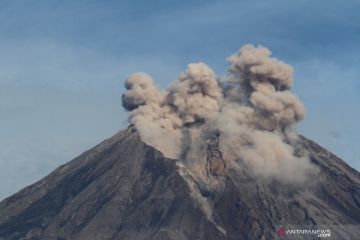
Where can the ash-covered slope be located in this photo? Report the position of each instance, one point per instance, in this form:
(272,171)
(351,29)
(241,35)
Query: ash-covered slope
(125,189)
(121,189)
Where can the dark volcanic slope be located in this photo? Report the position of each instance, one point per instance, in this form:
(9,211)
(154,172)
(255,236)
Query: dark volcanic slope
(124,189)
(121,189)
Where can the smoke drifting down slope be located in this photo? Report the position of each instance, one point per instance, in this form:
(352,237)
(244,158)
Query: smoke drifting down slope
(251,112)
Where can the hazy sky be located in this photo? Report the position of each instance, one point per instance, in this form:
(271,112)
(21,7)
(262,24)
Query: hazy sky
(62,66)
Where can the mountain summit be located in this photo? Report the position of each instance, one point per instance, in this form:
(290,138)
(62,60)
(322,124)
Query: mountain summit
(126,189)
(208,158)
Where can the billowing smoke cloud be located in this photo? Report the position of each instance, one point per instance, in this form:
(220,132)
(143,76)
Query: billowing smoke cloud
(161,117)
(251,112)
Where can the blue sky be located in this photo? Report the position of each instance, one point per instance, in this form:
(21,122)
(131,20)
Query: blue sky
(62,66)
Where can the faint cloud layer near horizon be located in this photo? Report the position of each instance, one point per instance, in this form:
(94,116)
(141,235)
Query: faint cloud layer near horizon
(62,67)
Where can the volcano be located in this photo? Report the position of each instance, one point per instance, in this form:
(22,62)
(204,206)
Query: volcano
(126,189)
(208,158)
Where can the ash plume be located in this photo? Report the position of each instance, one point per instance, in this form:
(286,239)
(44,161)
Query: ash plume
(251,110)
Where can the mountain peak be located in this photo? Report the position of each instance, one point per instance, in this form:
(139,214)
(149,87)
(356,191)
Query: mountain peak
(125,189)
